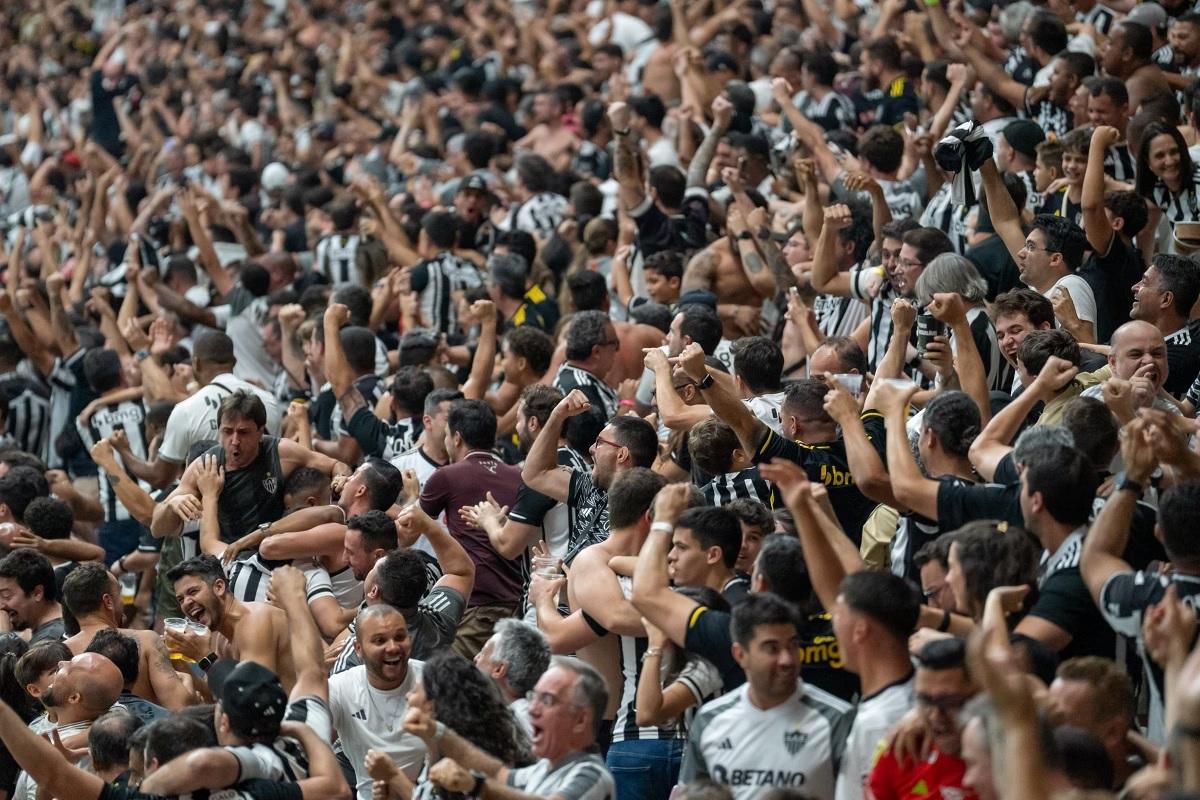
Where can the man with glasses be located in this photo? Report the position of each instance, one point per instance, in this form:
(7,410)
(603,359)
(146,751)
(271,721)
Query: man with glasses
(943,687)
(592,346)
(1048,257)
(565,709)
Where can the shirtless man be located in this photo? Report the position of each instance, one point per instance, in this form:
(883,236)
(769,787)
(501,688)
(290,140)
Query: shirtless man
(548,138)
(1128,56)
(734,270)
(94,597)
(251,631)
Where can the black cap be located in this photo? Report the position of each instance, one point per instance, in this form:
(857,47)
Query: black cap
(250,695)
(474,182)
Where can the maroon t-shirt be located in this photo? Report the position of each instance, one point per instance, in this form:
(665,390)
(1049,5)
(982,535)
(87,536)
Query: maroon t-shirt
(465,483)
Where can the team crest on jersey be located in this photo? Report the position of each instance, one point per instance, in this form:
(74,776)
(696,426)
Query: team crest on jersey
(269,483)
(794,740)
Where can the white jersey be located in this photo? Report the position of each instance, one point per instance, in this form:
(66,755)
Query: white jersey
(798,744)
(874,717)
(369,719)
(195,419)
(419,462)
(580,776)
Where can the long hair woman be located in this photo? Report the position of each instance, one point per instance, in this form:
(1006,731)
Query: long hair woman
(1166,174)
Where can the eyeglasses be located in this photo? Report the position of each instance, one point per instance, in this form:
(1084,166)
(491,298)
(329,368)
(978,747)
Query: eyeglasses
(932,592)
(543,699)
(1033,248)
(601,440)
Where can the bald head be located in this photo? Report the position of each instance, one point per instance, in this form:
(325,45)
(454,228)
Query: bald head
(368,613)
(84,687)
(1139,351)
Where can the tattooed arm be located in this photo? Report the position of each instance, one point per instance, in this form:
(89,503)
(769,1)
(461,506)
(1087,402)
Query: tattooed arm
(701,272)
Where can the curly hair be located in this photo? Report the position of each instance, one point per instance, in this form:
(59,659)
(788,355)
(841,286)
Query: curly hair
(470,704)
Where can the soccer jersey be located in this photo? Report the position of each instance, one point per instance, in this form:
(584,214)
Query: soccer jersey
(580,776)
(128,416)
(767,408)
(798,744)
(1064,600)
(724,489)
(28,419)
(195,419)
(367,718)
(336,257)
(540,214)
(381,439)
(438,280)
(602,396)
(873,718)
(1181,206)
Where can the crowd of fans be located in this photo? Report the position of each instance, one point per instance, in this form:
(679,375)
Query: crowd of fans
(599,400)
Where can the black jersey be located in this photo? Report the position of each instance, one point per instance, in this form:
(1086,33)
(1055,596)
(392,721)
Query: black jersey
(252,495)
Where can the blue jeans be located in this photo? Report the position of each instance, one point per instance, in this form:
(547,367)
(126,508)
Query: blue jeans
(645,769)
(118,538)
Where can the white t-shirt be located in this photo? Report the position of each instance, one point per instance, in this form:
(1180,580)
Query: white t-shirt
(766,408)
(371,719)
(420,463)
(195,419)
(1081,295)
(875,716)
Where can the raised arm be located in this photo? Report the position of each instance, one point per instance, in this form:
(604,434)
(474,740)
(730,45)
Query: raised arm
(968,363)
(139,503)
(697,174)
(665,609)
(210,478)
(458,570)
(287,590)
(1106,539)
(912,489)
(869,471)
(540,471)
(44,762)
(995,441)
(825,277)
(222,280)
(1096,227)
(749,429)
(483,311)
(627,168)
(64,333)
(1006,217)
(41,357)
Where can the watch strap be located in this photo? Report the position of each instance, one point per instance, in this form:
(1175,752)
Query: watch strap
(205,664)
(480,780)
(706,383)
(745,236)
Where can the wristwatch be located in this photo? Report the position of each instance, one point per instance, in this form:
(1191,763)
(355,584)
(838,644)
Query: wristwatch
(205,664)
(480,780)
(744,235)
(706,383)
(1126,484)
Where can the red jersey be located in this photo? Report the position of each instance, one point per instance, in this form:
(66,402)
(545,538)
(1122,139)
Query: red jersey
(939,777)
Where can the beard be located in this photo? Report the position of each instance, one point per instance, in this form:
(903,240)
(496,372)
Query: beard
(50,699)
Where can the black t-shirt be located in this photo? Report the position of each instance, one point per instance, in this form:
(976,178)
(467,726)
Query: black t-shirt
(959,504)
(1064,600)
(252,495)
(996,265)
(382,439)
(827,464)
(708,635)
(1183,358)
(1112,276)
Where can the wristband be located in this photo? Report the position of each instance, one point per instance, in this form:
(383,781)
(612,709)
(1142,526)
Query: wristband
(764,233)
(663,527)
(626,403)
(932,3)
(944,625)
(439,731)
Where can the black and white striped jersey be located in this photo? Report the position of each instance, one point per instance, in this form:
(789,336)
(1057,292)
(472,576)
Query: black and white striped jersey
(599,394)
(832,112)
(540,214)
(625,726)
(439,280)
(838,316)
(1099,17)
(1119,163)
(64,378)
(724,489)
(1181,206)
(28,419)
(947,216)
(128,416)
(336,257)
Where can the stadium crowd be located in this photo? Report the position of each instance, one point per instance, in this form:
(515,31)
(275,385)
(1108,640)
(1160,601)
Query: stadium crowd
(599,399)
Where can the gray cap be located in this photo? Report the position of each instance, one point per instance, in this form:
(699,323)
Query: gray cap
(1152,15)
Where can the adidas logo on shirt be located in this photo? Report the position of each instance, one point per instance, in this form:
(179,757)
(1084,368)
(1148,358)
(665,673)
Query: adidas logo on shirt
(361,714)
(726,744)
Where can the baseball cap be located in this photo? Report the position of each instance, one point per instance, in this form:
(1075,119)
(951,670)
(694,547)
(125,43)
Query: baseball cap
(1024,135)
(1152,15)
(250,695)
(474,182)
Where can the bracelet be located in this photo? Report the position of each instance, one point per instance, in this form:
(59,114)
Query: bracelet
(439,730)
(944,625)
(662,527)
(627,404)
(121,563)
(651,652)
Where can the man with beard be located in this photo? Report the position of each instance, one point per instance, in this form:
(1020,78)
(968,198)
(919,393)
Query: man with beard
(252,631)
(29,596)
(943,687)
(93,597)
(83,689)
(255,467)
(1164,297)
(368,701)
(564,709)
(624,443)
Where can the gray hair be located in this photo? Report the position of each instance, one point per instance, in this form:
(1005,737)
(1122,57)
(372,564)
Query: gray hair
(1013,18)
(524,649)
(1040,436)
(590,690)
(951,272)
